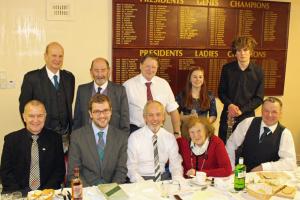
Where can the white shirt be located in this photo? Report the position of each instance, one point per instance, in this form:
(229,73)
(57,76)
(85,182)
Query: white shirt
(140,161)
(103,87)
(51,75)
(136,91)
(287,154)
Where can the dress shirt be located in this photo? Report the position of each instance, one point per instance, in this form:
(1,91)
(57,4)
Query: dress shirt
(97,130)
(103,87)
(140,152)
(286,153)
(244,88)
(137,96)
(51,75)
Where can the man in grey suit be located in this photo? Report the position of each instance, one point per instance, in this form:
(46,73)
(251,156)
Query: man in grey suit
(100,72)
(99,149)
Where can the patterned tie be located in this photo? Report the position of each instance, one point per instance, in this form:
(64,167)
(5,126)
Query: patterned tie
(34,177)
(100,145)
(149,94)
(99,90)
(55,82)
(157,176)
(265,133)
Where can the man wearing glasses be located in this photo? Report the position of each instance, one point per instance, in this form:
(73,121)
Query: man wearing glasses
(99,149)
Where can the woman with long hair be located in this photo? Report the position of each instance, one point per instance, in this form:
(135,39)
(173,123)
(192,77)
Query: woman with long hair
(195,100)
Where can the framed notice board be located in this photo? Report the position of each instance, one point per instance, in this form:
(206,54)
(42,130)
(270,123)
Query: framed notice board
(187,33)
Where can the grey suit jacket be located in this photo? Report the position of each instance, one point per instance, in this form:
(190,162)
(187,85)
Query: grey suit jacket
(83,154)
(117,95)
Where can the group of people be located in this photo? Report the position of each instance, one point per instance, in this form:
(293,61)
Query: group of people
(116,133)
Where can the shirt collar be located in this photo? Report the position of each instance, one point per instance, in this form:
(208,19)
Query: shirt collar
(96,130)
(272,128)
(143,80)
(150,133)
(103,87)
(51,74)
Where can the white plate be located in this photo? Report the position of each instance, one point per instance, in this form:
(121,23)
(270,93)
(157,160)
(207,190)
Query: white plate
(194,181)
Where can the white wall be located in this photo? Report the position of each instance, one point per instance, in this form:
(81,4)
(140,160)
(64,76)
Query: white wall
(24,33)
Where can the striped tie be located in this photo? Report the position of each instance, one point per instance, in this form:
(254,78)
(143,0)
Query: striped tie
(157,176)
(34,177)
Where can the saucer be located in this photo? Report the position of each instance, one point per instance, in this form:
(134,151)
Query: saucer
(194,181)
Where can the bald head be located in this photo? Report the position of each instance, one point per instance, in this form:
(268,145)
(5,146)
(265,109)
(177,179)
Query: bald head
(54,56)
(100,71)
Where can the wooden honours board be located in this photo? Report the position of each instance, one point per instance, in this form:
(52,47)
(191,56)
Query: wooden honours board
(187,33)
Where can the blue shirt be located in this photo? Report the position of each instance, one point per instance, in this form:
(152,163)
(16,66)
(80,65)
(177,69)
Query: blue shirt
(96,130)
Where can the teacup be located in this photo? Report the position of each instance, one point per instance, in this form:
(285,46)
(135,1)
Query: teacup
(200,177)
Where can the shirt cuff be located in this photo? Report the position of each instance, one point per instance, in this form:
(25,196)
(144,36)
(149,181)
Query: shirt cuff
(266,166)
(171,106)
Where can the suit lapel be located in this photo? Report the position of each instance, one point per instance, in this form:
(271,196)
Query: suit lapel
(66,87)
(44,80)
(110,91)
(91,143)
(108,150)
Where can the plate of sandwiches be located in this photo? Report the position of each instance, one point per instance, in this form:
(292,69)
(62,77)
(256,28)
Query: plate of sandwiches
(46,194)
(265,191)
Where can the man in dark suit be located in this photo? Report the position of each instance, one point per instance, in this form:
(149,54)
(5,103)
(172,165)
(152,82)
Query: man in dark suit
(100,72)
(32,158)
(98,149)
(55,88)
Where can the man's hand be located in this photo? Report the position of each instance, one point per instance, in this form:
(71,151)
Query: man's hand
(257,169)
(234,111)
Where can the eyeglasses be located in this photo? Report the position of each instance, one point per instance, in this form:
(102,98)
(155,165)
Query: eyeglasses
(104,112)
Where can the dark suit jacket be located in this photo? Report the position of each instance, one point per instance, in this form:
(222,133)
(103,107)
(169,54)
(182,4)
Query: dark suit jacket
(117,95)
(16,158)
(83,154)
(34,86)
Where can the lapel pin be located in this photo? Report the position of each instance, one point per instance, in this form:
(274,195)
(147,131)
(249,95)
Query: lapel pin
(44,149)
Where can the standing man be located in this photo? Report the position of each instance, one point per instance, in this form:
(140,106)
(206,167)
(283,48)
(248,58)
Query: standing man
(265,144)
(241,87)
(55,88)
(99,149)
(100,72)
(32,158)
(147,86)
(151,147)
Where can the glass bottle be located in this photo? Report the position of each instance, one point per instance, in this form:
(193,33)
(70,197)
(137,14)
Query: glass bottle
(76,185)
(240,175)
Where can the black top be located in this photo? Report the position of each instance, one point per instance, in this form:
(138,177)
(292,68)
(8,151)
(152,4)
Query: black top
(212,111)
(242,88)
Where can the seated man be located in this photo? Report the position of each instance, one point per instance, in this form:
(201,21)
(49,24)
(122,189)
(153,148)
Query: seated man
(33,157)
(265,144)
(151,147)
(99,149)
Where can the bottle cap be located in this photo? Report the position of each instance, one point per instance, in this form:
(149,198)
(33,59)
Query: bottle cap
(241,160)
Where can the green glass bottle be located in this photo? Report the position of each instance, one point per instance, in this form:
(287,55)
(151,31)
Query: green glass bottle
(240,175)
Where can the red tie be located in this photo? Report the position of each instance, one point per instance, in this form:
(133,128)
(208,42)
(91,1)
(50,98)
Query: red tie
(149,94)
